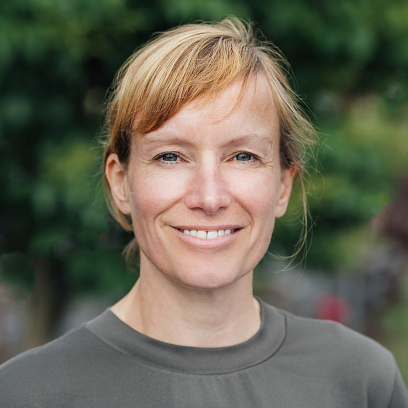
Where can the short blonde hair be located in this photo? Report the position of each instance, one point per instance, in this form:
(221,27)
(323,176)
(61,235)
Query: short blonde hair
(192,61)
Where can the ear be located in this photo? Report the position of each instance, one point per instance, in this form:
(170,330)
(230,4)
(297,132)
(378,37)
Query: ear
(115,174)
(284,191)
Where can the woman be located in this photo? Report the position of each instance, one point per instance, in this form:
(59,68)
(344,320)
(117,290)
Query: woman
(205,140)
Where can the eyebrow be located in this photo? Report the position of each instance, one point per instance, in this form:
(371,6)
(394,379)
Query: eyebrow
(248,138)
(149,140)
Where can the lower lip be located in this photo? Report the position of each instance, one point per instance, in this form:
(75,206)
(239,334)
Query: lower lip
(207,243)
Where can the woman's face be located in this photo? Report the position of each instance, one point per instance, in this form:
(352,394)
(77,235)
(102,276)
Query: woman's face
(204,189)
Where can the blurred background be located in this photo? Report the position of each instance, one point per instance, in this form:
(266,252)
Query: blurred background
(60,251)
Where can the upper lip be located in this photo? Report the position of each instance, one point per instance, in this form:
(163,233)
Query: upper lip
(208,228)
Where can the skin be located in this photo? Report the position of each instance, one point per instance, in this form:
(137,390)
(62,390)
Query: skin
(222,170)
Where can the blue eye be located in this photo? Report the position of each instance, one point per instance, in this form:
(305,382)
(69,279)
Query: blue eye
(244,157)
(169,157)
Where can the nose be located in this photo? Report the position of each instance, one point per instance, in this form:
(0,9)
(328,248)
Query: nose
(207,188)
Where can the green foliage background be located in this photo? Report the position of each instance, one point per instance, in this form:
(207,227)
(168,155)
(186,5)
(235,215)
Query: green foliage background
(58,58)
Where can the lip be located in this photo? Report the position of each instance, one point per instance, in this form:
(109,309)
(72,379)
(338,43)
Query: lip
(208,228)
(207,243)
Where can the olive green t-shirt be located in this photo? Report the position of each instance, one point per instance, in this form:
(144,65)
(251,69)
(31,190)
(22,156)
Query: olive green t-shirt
(291,362)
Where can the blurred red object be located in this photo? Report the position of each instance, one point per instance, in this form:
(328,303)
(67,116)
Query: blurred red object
(333,307)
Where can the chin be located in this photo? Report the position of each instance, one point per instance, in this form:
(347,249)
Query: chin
(206,279)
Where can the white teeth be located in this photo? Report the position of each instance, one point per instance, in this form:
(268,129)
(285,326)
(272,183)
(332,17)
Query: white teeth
(202,234)
(208,234)
(212,234)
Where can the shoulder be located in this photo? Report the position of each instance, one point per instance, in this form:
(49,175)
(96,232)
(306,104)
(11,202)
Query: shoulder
(70,346)
(341,356)
(36,373)
(334,338)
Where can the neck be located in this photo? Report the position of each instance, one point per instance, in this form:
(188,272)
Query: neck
(165,310)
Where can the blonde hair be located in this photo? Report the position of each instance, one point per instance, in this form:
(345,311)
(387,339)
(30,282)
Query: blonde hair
(192,61)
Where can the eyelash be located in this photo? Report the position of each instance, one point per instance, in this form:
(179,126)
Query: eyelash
(254,157)
(160,157)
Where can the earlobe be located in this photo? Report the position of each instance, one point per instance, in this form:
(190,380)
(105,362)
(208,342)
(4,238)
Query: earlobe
(284,191)
(115,174)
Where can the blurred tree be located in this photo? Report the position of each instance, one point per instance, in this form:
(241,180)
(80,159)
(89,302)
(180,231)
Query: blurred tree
(57,59)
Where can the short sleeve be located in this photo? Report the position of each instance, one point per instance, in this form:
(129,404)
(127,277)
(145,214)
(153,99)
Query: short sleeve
(399,396)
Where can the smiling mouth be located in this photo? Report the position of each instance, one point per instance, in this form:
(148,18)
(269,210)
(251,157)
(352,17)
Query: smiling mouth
(208,235)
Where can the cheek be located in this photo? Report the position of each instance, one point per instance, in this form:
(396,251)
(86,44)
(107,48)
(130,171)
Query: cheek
(256,194)
(152,193)
(256,191)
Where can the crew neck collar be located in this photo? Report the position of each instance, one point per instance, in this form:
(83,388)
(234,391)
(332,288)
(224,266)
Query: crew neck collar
(194,360)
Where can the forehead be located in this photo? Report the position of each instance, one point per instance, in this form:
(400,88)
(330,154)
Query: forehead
(237,111)
(252,97)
